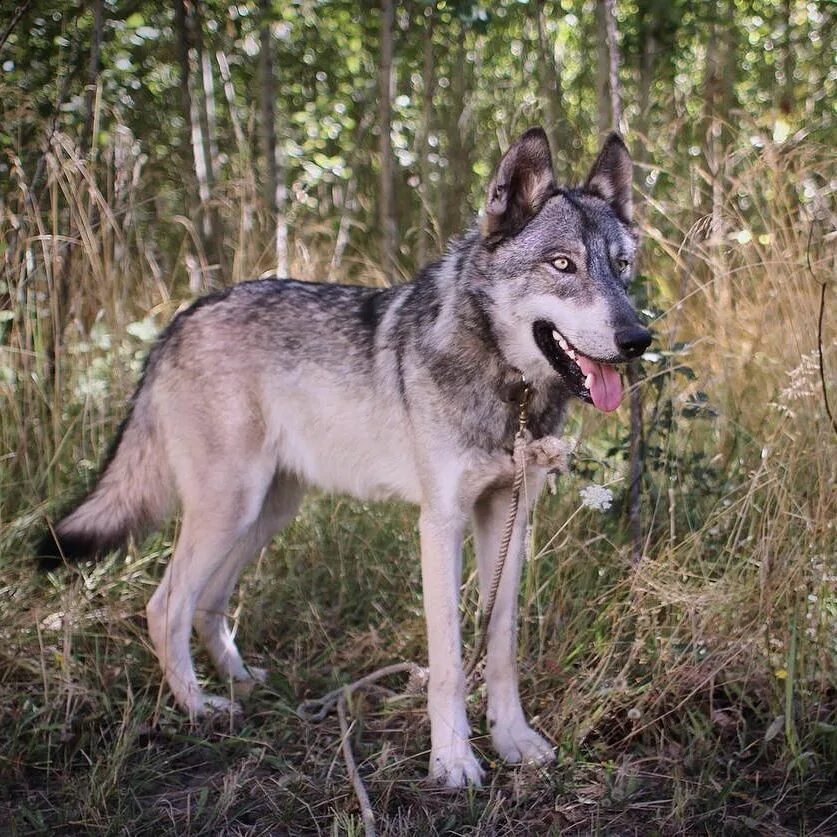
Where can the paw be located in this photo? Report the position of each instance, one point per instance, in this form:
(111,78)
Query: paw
(243,686)
(207,705)
(520,744)
(254,675)
(455,766)
(549,452)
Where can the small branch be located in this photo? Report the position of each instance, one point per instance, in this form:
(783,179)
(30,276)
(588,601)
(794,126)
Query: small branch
(366,811)
(819,330)
(822,362)
(316,709)
(18,14)
(636,464)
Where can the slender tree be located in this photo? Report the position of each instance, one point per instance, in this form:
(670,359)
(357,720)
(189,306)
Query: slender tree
(182,46)
(458,130)
(613,65)
(386,195)
(197,99)
(602,68)
(786,97)
(61,309)
(718,98)
(550,84)
(275,190)
(203,97)
(93,68)
(610,102)
(208,79)
(649,13)
(191,109)
(425,237)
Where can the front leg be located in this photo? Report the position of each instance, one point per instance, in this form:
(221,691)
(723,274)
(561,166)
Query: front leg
(452,761)
(513,738)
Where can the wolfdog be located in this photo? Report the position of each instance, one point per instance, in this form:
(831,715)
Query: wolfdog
(255,393)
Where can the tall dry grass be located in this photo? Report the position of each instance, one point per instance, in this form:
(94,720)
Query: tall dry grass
(694,690)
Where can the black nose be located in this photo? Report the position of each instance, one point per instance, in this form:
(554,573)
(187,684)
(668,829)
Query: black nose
(633,341)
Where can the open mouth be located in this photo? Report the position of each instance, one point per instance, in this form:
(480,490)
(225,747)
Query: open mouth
(590,380)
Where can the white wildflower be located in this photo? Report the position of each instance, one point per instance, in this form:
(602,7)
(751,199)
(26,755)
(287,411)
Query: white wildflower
(596,497)
(802,380)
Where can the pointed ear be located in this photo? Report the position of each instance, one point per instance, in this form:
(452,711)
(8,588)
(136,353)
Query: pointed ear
(523,182)
(612,175)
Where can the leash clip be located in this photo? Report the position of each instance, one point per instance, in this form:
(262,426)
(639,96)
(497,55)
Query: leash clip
(523,405)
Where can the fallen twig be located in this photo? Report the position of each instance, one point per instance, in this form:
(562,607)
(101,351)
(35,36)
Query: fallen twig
(819,330)
(366,812)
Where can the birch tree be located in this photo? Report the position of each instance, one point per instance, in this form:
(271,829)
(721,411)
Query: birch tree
(275,190)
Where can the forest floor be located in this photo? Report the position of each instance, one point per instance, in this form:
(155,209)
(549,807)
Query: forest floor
(692,742)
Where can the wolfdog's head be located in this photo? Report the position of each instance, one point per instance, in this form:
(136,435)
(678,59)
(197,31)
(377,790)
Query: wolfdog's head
(555,264)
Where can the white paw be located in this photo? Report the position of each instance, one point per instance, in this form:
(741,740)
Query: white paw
(214,705)
(520,744)
(455,766)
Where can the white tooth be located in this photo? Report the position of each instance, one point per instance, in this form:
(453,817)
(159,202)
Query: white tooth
(555,336)
(571,353)
(588,381)
(564,345)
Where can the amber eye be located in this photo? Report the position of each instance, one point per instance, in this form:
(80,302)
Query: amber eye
(563,264)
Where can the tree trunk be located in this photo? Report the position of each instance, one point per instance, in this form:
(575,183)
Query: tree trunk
(786,97)
(275,192)
(93,67)
(185,93)
(200,93)
(647,61)
(211,121)
(613,65)
(550,84)
(425,236)
(61,291)
(342,239)
(602,68)
(245,253)
(193,105)
(229,94)
(717,103)
(204,98)
(459,163)
(386,195)
(610,101)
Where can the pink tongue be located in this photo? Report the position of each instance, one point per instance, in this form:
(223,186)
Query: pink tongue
(606,388)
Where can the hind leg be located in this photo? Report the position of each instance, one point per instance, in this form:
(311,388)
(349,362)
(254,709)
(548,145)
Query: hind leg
(211,622)
(215,520)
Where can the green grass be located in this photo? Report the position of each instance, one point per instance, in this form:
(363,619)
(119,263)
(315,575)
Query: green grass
(695,693)
(658,714)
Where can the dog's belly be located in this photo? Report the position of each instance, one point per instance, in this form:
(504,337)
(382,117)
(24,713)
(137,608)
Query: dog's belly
(346,441)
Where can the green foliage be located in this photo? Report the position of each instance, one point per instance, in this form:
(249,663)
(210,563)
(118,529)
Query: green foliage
(486,85)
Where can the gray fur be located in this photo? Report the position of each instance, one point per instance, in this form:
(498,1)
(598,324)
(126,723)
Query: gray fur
(256,393)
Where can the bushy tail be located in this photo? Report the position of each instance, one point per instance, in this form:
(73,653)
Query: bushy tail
(133,492)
